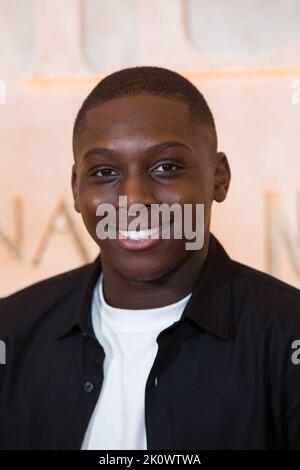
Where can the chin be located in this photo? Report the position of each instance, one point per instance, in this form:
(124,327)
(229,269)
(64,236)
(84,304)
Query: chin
(142,269)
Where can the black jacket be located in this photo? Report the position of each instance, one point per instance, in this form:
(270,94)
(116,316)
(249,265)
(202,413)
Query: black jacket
(223,377)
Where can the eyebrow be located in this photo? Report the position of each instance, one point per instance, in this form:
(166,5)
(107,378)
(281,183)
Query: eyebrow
(152,149)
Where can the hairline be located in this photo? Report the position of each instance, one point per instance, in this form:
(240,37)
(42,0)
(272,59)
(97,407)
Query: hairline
(80,125)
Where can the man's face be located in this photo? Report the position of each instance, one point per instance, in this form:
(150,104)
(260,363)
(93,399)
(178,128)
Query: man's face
(183,172)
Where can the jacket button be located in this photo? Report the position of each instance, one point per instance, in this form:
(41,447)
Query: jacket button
(156,381)
(89,387)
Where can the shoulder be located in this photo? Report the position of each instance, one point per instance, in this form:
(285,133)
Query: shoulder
(52,285)
(29,303)
(265,297)
(263,281)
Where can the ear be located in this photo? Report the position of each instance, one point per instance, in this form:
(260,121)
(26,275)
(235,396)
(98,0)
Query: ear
(74,188)
(222,177)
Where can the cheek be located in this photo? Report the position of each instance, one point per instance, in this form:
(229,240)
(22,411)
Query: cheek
(191,192)
(90,196)
(88,200)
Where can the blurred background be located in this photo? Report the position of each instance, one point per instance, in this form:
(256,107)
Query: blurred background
(244,56)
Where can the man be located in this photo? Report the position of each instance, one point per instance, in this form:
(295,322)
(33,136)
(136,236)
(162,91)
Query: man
(150,346)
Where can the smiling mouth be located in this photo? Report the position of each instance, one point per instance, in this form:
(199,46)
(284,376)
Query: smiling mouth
(137,235)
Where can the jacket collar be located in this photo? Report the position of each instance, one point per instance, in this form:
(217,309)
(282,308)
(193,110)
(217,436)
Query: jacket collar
(208,306)
(210,303)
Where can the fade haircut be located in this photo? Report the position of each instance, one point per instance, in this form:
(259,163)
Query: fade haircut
(153,81)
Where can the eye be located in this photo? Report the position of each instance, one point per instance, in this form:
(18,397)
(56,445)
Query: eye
(165,168)
(105,172)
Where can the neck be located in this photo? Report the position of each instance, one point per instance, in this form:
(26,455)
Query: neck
(121,292)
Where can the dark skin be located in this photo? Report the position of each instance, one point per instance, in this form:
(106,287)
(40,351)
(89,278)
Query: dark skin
(195,173)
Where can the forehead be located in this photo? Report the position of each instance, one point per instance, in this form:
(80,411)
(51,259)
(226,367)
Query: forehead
(138,120)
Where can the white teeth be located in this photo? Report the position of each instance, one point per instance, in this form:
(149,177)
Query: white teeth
(140,235)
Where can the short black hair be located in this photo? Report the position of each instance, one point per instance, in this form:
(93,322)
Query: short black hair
(153,81)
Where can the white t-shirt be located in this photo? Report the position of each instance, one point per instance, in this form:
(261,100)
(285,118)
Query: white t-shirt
(129,341)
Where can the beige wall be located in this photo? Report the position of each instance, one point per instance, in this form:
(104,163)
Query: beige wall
(244,57)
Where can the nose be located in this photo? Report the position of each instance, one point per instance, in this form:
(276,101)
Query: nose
(138,189)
